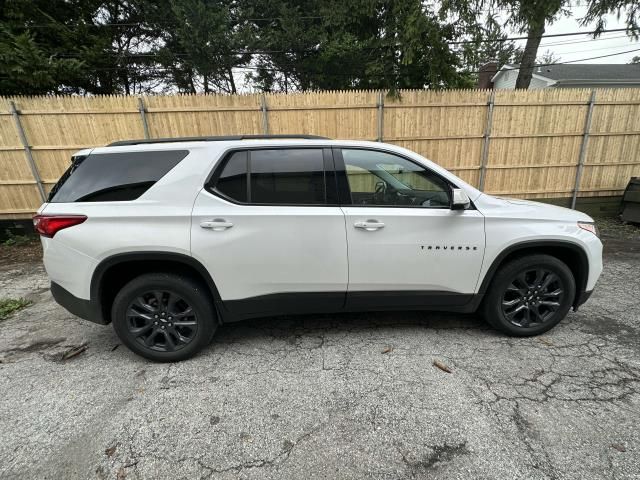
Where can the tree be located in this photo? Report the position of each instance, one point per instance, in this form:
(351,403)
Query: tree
(484,39)
(26,67)
(598,9)
(548,58)
(531,17)
(350,44)
(635,59)
(90,46)
(203,44)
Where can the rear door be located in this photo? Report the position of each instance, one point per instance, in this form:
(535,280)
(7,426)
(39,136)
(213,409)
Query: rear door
(406,246)
(269,229)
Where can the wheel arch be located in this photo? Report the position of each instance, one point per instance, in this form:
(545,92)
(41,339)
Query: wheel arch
(572,254)
(115,271)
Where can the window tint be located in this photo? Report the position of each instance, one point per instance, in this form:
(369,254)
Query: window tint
(379,178)
(287,176)
(108,177)
(233,179)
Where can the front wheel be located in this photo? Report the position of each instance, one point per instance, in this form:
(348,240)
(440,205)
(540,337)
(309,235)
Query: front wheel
(164,317)
(529,295)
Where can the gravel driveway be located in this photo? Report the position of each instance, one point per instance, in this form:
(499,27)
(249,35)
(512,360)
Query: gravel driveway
(327,396)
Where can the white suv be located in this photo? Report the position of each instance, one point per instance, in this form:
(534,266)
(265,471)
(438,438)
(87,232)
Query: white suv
(169,238)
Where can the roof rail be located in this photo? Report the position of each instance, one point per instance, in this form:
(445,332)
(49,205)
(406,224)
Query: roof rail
(212,139)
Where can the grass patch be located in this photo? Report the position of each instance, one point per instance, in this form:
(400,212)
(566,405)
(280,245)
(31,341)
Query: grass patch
(17,240)
(10,305)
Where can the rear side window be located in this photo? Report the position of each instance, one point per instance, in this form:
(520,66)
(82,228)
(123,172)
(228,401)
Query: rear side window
(274,177)
(111,177)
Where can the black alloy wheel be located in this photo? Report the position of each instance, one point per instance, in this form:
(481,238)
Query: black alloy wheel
(164,317)
(162,320)
(533,297)
(529,295)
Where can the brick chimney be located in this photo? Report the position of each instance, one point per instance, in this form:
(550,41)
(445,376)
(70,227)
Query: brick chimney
(486,73)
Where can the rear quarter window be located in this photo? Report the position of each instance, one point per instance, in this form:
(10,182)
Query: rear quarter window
(111,177)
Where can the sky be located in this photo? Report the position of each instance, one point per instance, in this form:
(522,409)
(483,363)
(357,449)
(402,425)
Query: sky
(580,47)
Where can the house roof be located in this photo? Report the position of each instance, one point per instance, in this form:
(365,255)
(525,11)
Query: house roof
(586,72)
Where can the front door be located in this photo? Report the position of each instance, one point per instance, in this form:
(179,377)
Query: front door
(406,246)
(271,234)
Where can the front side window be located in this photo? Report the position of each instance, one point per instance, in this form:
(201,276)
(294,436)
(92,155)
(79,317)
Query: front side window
(383,179)
(293,176)
(111,177)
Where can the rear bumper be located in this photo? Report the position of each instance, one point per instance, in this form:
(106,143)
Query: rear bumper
(85,309)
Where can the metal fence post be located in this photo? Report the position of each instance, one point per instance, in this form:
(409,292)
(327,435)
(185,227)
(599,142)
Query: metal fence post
(265,114)
(485,140)
(583,148)
(143,116)
(380,106)
(27,150)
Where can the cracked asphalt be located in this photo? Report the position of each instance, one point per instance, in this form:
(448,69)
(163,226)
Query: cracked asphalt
(328,396)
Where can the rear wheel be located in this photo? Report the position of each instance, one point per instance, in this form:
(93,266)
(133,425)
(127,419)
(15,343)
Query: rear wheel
(529,295)
(164,317)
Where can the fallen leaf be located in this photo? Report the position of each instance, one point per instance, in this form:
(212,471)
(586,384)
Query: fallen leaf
(387,350)
(74,351)
(287,445)
(121,475)
(546,341)
(619,447)
(110,451)
(441,366)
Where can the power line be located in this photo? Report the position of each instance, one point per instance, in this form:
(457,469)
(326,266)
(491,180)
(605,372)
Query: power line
(232,53)
(591,58)
(571,42)
(594,49)
(478,71)
(370,75)
(157,73)
(455,42)
(507,39)
(137,24)
(299,51)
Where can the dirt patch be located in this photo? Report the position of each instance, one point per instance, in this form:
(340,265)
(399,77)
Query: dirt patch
(613,227)
(604,325)
(37,346)
(11,255)
(620,247)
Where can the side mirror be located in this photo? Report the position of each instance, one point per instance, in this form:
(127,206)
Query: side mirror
(459,199)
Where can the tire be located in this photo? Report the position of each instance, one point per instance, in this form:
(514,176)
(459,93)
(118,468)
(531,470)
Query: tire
(518,311)
(164,317)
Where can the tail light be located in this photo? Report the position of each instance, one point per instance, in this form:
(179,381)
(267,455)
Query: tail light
(49,225)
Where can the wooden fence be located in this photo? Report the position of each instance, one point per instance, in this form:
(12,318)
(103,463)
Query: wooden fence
(529,144)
